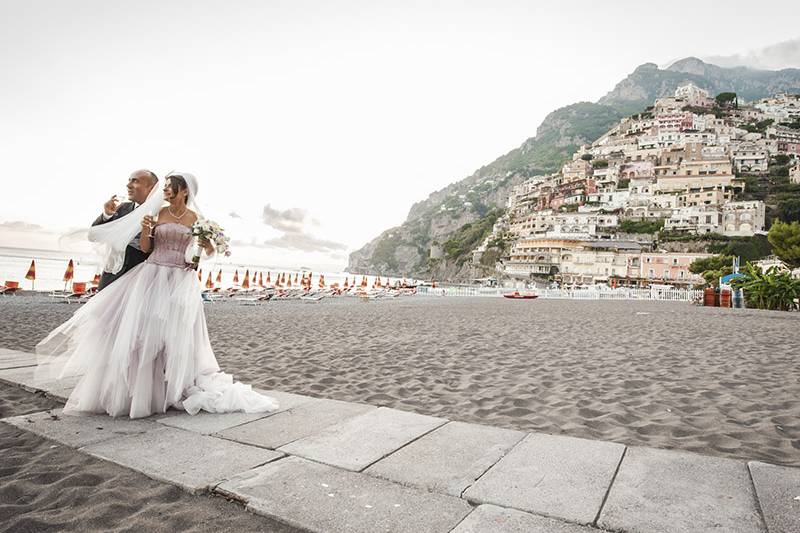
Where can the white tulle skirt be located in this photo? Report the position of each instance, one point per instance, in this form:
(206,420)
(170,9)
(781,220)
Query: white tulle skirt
(141,346)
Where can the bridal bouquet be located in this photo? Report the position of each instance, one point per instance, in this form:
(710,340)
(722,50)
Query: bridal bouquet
(213,233)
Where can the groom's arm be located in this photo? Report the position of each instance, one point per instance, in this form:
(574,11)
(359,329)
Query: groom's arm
(121,211)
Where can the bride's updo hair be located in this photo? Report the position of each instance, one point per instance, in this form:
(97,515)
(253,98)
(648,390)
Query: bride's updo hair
(177,183)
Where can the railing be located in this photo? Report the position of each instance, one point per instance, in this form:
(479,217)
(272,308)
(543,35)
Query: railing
(671,295)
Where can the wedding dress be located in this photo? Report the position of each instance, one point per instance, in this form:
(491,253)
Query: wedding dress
(141,344)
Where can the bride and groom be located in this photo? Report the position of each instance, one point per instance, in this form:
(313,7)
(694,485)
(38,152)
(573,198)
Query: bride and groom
(141,345)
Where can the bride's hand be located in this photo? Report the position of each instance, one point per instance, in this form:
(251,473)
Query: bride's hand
(206,244)
(148,222)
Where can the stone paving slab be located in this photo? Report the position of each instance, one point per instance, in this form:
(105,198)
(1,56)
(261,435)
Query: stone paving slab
(11,359)
(10,351)
(321,498)
(556,476)
(778,491)
(357,443)
(302,420)
(663,490)
(79,430)
(492,519)
(210,423)
(61,394)
(193,462)
(449,459)
(287,400)
(207,423)
(26,378)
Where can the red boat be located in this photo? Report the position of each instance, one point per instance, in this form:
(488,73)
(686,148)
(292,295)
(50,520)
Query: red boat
(517,296)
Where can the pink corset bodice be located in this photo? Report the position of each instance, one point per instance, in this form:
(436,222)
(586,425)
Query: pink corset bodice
(171,241)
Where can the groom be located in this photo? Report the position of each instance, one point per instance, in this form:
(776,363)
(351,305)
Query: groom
(140,183)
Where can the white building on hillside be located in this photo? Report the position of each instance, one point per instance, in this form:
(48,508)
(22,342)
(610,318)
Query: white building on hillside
(749,157)
(743,219)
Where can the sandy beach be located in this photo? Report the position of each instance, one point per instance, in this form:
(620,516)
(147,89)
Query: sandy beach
(666,375)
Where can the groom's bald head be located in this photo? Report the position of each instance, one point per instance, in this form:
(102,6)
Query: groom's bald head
(140,183)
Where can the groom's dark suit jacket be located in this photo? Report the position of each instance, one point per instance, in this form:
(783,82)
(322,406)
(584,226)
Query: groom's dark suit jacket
(133,254)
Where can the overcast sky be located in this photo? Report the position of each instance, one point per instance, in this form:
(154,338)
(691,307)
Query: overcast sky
(313,126)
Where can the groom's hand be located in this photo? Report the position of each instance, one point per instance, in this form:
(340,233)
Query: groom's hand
(111,206)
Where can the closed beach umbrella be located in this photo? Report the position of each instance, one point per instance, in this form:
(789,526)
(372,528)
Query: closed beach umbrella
(219,276)
(31,275)
(69,273)
(209,283)
(268,280)
(289,283)
(96,280)
(321,281)
(246,282)
(346,285)
(200,275)
(236,277)
(295,279)
(260,279)
(283,277)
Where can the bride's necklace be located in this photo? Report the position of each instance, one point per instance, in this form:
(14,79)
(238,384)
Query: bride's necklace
(176,217)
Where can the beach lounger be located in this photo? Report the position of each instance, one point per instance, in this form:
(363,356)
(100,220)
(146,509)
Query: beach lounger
(78,294)
(10,288)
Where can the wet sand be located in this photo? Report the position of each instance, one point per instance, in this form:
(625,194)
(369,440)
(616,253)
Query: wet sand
(660,374)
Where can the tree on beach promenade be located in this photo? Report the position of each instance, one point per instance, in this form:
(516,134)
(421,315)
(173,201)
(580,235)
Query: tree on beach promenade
(712,268)
(785,241)
(772,289)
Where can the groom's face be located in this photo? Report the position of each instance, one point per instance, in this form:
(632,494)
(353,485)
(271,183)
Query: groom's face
(139,185)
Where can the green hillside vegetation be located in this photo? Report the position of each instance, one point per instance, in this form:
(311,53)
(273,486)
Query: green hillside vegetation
(782,198)
(460,245)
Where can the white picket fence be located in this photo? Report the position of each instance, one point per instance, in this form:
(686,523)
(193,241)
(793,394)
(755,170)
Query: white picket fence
(671,295)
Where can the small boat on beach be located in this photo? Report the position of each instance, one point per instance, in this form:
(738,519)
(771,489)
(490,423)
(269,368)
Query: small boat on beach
(516,295)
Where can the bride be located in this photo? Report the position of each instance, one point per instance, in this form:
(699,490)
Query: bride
(141,345)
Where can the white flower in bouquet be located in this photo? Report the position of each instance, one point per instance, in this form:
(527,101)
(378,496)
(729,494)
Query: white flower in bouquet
(214,234)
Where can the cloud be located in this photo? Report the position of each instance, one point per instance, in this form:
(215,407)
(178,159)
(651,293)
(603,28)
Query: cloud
(305,243)
(234,214)
(777,56)
(289,220)
(293,222)
(19,225)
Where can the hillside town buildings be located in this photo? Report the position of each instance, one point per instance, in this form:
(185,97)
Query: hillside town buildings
(678,165)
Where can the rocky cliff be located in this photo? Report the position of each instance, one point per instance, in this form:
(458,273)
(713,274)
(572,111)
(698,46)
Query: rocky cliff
(448,221)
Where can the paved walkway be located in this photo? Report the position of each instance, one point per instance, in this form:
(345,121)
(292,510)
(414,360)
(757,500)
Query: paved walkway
(329,466)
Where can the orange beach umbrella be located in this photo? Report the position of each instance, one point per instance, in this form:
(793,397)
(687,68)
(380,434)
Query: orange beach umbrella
(236,277)
(268,280)
(209,283)
(246,282)
(69,273)
(200,275)
(219,276)
(260,279)
(31,275)
(96,280)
